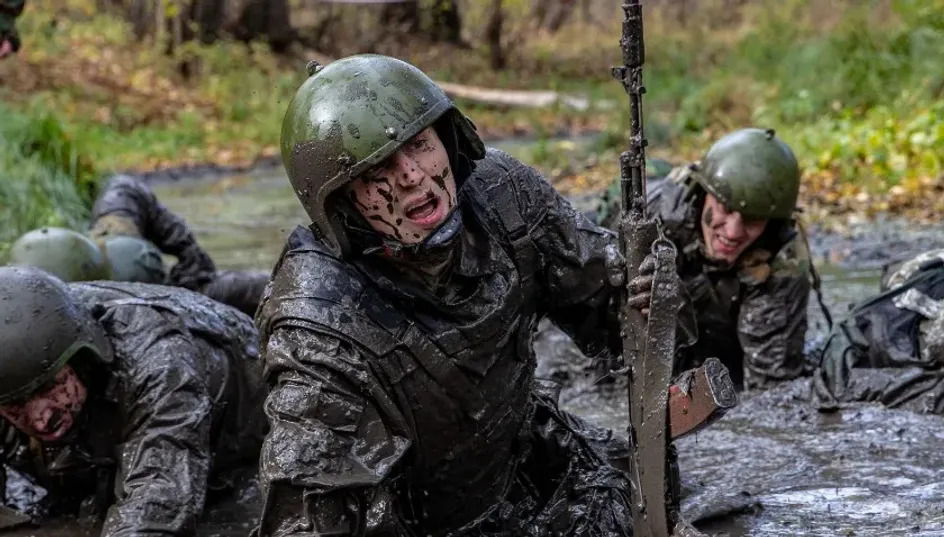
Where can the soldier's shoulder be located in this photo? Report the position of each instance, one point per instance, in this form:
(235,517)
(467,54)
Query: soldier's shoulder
(505,183)
(793,259)
(670,199)
(499,167)
(307,274)
(122,180)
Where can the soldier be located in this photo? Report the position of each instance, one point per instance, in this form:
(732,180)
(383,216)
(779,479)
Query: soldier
(9,38)
(890,349)
(127,207)
(126,397)
(397,329)
(742,258)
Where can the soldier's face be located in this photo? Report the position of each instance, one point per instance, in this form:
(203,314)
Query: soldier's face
(727,233)
(51,412)
(408,195)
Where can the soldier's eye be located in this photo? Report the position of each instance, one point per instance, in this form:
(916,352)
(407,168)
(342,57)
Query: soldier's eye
(417,143)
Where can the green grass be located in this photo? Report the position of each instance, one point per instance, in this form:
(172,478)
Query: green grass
(857,97)
(853,85)
(44,180)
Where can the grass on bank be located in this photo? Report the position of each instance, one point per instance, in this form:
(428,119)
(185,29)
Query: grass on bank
(852,85)
(44,179)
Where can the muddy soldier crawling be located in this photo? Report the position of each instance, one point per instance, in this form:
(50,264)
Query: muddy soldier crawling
(397,329)
(130,229)
(130,400)
(890,348)
(742,258)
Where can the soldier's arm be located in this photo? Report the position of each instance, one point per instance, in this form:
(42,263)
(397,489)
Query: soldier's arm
(165,454)
(334,441)
(772,322)
(9,11)
(571,268)
(127,205)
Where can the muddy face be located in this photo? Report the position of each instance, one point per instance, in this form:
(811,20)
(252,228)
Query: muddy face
(727,233)
(50,413)
(408,195)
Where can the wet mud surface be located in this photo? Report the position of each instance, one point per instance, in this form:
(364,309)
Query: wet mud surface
(774,466)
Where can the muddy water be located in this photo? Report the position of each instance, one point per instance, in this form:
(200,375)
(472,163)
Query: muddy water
(774,466)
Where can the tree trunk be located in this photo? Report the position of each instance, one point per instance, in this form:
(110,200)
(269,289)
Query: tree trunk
(539,12)
(140,13)
(559,15)
(402,17)
(447,22)
(493,35)
(265,18)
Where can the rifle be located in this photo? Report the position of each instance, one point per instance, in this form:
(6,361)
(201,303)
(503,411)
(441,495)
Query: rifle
(649,344)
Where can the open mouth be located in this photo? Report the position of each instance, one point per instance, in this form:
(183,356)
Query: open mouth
(426,212)
(58,426)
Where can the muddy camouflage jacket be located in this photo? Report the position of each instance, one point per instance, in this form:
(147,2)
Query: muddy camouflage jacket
(399,411)
(127,206)
(9,11)
(751,316)
(178,399)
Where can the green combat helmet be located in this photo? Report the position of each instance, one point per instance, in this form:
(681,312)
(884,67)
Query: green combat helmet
(43,329)
(753,172)
(67,254)
(349,116)
(132,259)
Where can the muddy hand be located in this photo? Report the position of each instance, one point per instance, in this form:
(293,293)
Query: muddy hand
(640,288)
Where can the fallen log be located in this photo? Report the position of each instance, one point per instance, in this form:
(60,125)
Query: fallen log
(505,98)
(513,98)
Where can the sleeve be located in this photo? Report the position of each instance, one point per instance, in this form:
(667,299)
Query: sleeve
(772,329)
(576,294)
(130,198)
(334,441)
(9,11)
(164,459)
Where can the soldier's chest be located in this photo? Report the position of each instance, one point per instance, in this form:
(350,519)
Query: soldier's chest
(457,369)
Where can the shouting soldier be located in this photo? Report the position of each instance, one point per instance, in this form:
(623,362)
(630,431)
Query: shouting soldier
(126,398)
(397,329)
(742,257)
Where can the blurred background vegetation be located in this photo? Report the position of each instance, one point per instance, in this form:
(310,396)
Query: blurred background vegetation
(853,85)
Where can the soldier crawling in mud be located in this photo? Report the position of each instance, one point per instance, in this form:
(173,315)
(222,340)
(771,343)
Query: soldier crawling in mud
(742,258)
(130,229)
(890,348)
(9,37)
(128,398)
(397,330)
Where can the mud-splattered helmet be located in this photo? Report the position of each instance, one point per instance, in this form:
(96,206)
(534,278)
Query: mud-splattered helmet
(349,116)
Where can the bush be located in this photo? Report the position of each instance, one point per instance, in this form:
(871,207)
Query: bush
(44,178)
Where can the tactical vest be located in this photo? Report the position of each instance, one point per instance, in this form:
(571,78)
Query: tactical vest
(318,292)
